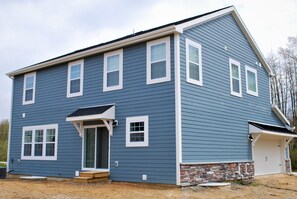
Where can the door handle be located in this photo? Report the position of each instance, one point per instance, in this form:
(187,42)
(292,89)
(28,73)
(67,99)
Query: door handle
(266,158)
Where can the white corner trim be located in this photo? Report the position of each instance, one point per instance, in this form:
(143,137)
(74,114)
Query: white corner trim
(237,63)
(279,114)
(120,85)
(80,93)
(33,74)
(149,80)
(198,46)
(9,130)
(253,70)
(178,135)
(144,143)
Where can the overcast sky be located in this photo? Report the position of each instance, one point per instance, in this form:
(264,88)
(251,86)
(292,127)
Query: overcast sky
(32,31)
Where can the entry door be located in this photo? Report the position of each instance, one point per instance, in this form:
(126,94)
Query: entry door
(96,148)
(267,157)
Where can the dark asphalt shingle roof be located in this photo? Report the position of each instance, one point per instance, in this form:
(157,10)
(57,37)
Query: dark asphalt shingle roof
(272,128)
(90,111)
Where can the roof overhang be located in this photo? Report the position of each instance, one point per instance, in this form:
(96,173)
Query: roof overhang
(241,24)
(160,32)
(89,113)
(108,47)
(253,129)
(280,115)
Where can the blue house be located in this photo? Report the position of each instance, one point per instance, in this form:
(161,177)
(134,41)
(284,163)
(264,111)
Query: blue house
(183,103)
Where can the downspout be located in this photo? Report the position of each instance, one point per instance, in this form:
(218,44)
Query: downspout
(10,124)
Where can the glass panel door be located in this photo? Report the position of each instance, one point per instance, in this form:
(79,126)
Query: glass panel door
(89,148)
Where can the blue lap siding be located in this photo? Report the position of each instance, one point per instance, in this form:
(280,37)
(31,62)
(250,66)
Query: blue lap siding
(157,161)
(214,122)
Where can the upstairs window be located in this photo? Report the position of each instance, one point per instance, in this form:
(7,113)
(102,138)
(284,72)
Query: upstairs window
(158,61)
(75,78)
(251,81)
(194,62)
(113,70)
(235,78)
(40,142)
(29,88)
(137,131)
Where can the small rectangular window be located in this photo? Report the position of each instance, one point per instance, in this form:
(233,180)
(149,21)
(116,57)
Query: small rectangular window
(137,131)
(29,88)
(235,78)
(75,78)
(251,81)
(158,61)
(194,62)
(113,70)
(40,142)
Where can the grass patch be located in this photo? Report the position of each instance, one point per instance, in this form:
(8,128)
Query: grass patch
(2,164)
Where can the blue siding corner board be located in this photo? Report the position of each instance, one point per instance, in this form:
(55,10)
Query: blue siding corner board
(214,122)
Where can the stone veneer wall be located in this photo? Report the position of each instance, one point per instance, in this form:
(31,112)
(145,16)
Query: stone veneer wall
(288,166)
(193,174)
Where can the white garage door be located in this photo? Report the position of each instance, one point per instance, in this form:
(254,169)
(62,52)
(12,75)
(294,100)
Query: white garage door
(267,157)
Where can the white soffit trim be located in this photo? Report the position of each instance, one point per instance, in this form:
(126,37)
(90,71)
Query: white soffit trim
(108,47)
(181,27)
(279,114)
(107,115)
(239,21)
(251,40)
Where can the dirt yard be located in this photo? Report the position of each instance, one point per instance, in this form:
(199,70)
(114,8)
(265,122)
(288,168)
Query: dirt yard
(277,186)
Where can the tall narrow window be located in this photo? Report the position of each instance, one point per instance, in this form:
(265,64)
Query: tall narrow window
(235,78)
(137,131)
(158,61)
(29,88)
(194,62)
(251,81)
(113,70)
(40,142)
(75,78)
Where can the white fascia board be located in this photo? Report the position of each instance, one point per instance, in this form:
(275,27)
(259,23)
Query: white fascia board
(275,133)
(107,115)
(108,47)
(251,41)
(279,114)
(180,28)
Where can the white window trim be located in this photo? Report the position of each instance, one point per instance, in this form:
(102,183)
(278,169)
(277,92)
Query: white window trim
(44,128)
(196,45)
(24,88)
(247,68)
(149,80)
(144,119)
(80,93)
(106,55)
(232,61)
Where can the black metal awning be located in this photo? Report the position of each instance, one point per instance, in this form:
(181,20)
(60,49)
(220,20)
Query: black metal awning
(272,128)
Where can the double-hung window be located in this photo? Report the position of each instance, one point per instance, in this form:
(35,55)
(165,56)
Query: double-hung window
(113,70)
(40,142)
(137,131)
(75,78)
(235,78)
(251,81)
(29,88)
(194,62)
(158,61)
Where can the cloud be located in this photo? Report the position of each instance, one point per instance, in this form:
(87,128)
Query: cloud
(34,31)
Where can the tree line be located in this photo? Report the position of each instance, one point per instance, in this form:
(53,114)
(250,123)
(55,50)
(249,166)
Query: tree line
(4,128)
(284,86)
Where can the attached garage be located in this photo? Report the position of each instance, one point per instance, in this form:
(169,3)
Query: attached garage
(269,145)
